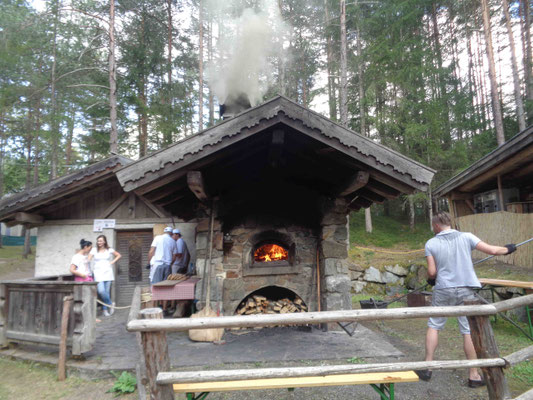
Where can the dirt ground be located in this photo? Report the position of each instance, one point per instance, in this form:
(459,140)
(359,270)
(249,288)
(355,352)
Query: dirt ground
(25,381)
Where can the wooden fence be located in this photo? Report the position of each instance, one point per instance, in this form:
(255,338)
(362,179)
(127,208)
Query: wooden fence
(31,310)
(153,343)
(501,228)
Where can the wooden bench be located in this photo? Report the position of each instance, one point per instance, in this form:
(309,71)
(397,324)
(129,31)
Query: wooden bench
(382,382)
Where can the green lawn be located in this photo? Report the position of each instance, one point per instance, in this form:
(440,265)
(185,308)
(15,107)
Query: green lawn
(387,232)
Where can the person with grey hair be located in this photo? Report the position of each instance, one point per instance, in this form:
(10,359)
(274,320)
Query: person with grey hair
(451,271)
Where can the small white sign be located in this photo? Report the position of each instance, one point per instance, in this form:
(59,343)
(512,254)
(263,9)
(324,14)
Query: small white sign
(100,224)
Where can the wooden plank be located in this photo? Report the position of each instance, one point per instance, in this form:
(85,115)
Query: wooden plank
(312,381)
(152,207)
(355,183)
(196,183)
(506,165)
(15,335)
(114,206)
(23,217)
(155,351)
(3,314)
(360,202)
(61,363)
(486,347)
(276,147)
(506,283)
(201,376)
(457,195)
(369,195)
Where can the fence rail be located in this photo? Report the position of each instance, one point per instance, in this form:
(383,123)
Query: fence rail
(153,330)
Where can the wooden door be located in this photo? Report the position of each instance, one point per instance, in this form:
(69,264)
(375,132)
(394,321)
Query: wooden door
(134,247)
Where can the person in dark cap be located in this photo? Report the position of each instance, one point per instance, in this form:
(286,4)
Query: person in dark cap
(182,257)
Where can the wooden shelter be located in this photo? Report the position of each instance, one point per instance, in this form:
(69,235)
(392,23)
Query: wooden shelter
(277,173)
(493,198)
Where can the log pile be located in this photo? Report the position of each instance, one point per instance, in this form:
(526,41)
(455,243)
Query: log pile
(257,304)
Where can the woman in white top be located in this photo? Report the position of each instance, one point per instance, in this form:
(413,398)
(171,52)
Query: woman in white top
(104,257)
(79,266)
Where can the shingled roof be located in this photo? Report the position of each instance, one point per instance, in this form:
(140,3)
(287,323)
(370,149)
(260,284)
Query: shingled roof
(278,110)
(28,198)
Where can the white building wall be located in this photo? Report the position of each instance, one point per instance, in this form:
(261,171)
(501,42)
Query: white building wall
(58,243)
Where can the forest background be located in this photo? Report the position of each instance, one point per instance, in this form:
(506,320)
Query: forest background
(443,82)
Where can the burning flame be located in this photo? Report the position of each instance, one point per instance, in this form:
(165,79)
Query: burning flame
(271,252)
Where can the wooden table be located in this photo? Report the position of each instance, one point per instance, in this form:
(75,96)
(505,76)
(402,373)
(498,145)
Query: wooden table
(183,290)
(527,288)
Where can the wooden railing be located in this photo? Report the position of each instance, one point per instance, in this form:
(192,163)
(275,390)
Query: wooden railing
(153,340)
(31,310)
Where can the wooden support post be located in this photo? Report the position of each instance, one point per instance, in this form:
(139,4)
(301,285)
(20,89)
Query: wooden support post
(486,347)
(500,193)
(140,366)
(155,350)
(61,364)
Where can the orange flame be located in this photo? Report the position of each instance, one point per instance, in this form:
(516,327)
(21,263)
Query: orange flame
(271,252)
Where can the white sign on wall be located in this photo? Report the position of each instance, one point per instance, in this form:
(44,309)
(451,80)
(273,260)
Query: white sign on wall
(100,224)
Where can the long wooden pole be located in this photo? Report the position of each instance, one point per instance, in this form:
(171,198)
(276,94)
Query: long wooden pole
(257,320)
(155,349)
(322,370)
(61,364)
(486,347)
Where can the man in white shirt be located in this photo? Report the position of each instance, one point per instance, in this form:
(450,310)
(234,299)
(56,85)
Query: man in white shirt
(451,271)
(182,256)
(163,250)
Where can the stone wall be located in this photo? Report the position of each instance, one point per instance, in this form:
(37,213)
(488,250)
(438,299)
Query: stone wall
(336,294)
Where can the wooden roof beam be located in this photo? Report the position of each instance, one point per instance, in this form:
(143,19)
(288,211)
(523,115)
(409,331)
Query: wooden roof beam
(276,147)
(26,218)
(370,195)
(360,202)
(355,183)
(382,189)
(196,183)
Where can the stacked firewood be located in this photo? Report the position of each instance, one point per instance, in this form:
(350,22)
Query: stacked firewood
(261,305)
(176,277)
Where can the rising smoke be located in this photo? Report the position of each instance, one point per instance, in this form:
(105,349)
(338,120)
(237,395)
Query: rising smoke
(248,43)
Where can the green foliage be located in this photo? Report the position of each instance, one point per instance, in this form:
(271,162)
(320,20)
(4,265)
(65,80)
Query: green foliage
(356,360)
(387,232)
(523,372)
(125,383)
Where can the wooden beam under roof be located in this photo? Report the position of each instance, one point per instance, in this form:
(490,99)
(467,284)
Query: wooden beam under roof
(504,167)
(382,189)
(196,183)
(360,202)
(355,183)
(370,195)
(27,218)
(276,147)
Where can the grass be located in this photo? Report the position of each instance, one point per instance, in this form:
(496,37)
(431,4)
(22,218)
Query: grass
(387,232)
(15,252)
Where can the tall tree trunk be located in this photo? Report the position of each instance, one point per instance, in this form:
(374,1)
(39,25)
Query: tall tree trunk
(70,135)
(330,69)
(167,136)
(528,62)
(113,136)
(411,212)
(495,100)
(54,126)
(201,66)
(362,113)
(430,207)
(343,95)
(2,149)
(29,146)
(211,99)
(514,64)
(37,145)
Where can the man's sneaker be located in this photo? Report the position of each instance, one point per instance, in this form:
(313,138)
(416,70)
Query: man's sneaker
(476,383)
(106,313)
(424,374)
(112,309)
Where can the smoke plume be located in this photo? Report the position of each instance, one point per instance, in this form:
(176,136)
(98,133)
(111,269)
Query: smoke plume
(247,45)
